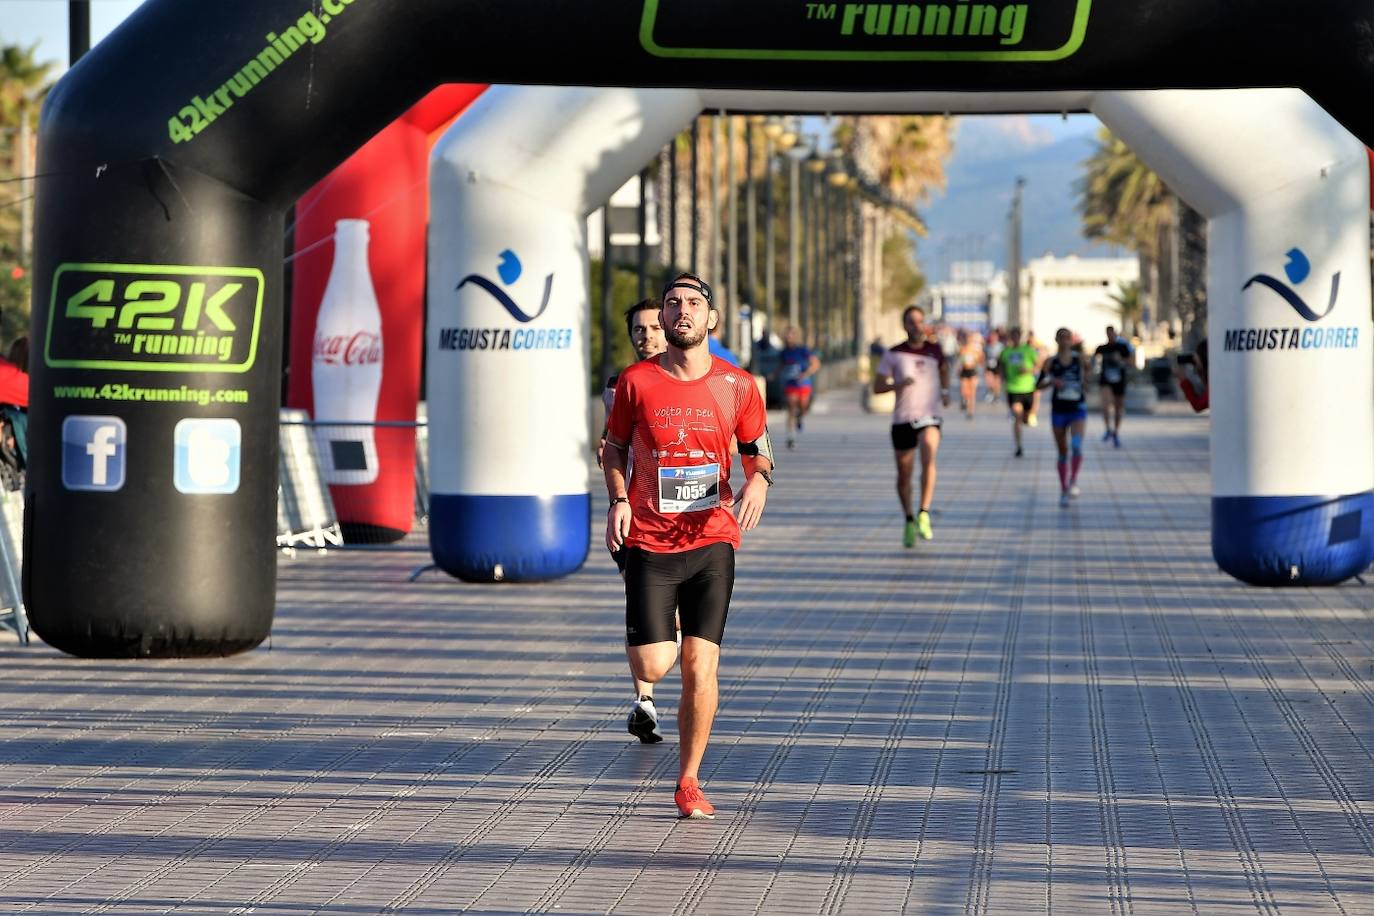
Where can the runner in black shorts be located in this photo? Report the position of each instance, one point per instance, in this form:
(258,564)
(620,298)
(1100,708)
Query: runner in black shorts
(1115,360)
(916,369)
(676,415)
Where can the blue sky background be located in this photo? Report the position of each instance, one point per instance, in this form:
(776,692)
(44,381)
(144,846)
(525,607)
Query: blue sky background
(966,222)
(24,22)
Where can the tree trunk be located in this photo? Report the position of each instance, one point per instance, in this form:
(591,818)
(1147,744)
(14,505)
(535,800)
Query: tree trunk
(1192,274)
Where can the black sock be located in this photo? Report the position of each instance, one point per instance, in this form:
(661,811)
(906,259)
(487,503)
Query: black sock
(911,518)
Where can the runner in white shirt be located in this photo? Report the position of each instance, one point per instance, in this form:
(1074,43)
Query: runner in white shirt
(918,371)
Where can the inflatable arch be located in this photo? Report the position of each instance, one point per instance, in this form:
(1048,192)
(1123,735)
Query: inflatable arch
(172,151)
(1293,475)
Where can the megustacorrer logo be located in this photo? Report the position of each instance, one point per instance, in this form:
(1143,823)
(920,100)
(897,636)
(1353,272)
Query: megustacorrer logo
(1315,334)
(509,270)
(503,337)
(1298,269)
(953,30)
(154,318)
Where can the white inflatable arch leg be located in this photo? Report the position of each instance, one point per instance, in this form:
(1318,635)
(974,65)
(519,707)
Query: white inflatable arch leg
(508,376)
(1285,189)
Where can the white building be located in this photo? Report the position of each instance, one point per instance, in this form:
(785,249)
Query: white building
(1074,293)
(625,224)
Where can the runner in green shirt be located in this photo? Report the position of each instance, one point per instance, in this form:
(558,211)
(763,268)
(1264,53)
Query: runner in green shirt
(1019,363)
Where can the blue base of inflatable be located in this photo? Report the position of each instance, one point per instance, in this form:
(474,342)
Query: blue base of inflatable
(509,538)
(1293,540)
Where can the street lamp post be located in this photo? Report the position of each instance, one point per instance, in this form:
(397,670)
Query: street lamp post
(672,205)
(607,295)
(770,261)
(1014,256)
(642,225)
(732,285)
(751,223)
(814,307)
(25,169)
(78,30)
(794,242)
(696,198)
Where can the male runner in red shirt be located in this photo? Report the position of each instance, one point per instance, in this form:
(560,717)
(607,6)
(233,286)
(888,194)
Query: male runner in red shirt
(676,414)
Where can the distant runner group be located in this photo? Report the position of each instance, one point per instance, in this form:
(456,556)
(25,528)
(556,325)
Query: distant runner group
(676,418)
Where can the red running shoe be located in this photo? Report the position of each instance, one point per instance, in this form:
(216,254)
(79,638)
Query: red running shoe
(690,801)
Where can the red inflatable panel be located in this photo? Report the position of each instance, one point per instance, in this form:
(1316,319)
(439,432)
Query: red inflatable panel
(386,182)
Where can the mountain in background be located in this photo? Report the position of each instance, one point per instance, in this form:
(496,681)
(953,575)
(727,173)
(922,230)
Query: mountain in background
(968,222)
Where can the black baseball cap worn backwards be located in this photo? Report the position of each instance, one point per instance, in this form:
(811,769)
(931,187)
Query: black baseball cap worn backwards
(690,281)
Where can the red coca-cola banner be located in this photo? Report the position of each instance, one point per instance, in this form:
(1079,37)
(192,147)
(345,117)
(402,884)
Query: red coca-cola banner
(385,183)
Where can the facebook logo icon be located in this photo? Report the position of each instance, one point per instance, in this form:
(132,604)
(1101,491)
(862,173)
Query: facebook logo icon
(93,453)
(207,456)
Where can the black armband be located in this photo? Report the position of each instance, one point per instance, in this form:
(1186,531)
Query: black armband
(760,447)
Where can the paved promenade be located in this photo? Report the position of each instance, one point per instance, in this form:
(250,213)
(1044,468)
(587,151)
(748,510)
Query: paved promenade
(1039,711)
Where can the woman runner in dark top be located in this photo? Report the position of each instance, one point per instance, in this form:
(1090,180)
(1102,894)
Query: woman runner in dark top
(1066,373)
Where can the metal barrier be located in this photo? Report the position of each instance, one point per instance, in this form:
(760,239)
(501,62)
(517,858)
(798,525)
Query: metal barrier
(12,616)
(311,513)
(422,464)
(305,510)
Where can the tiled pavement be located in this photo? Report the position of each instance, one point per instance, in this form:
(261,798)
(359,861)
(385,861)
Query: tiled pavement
(1041,710)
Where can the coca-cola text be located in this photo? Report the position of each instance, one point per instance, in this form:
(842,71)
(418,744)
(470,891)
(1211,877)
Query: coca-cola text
(361,349)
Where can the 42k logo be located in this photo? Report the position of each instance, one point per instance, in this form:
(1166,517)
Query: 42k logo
(154,318)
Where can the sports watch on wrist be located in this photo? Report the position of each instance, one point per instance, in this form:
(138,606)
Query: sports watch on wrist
(766,475)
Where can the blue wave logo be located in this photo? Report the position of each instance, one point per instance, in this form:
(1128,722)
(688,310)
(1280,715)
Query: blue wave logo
(509,270)
(1298,269)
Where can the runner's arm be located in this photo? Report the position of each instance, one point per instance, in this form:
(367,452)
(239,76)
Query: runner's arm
(756,455)
(813,366)
(619,428)
(755,495)
(615,458)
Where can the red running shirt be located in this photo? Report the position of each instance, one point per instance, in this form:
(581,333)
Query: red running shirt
(679,438)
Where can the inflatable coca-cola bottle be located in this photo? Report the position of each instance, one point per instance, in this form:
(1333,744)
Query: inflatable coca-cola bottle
(346,367)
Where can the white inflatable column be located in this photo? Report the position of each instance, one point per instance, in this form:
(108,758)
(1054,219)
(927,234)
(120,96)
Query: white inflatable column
(1286,191)
(507,368)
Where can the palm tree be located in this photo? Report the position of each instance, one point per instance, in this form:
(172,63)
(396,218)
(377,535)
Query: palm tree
(1124,202)
(23,81)
(905,156)
(1121,199)
(1127,299)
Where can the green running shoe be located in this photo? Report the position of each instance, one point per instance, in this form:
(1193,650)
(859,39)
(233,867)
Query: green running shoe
(923,525)
(909,535)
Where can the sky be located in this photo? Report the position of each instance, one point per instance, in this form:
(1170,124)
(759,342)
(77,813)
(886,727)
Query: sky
(24,22)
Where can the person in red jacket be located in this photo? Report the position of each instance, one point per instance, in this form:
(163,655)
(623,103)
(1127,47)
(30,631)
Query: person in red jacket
(1198,395)
(14,379)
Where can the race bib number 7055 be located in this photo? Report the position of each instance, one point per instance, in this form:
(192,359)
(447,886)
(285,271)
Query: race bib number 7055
(691,489)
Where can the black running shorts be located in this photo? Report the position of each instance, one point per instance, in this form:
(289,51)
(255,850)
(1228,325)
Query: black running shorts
(1116,388)
(906,436)
(1027,400)
(697,584)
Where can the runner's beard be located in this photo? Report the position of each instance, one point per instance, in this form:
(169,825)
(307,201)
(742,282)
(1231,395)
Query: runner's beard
(684,341)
